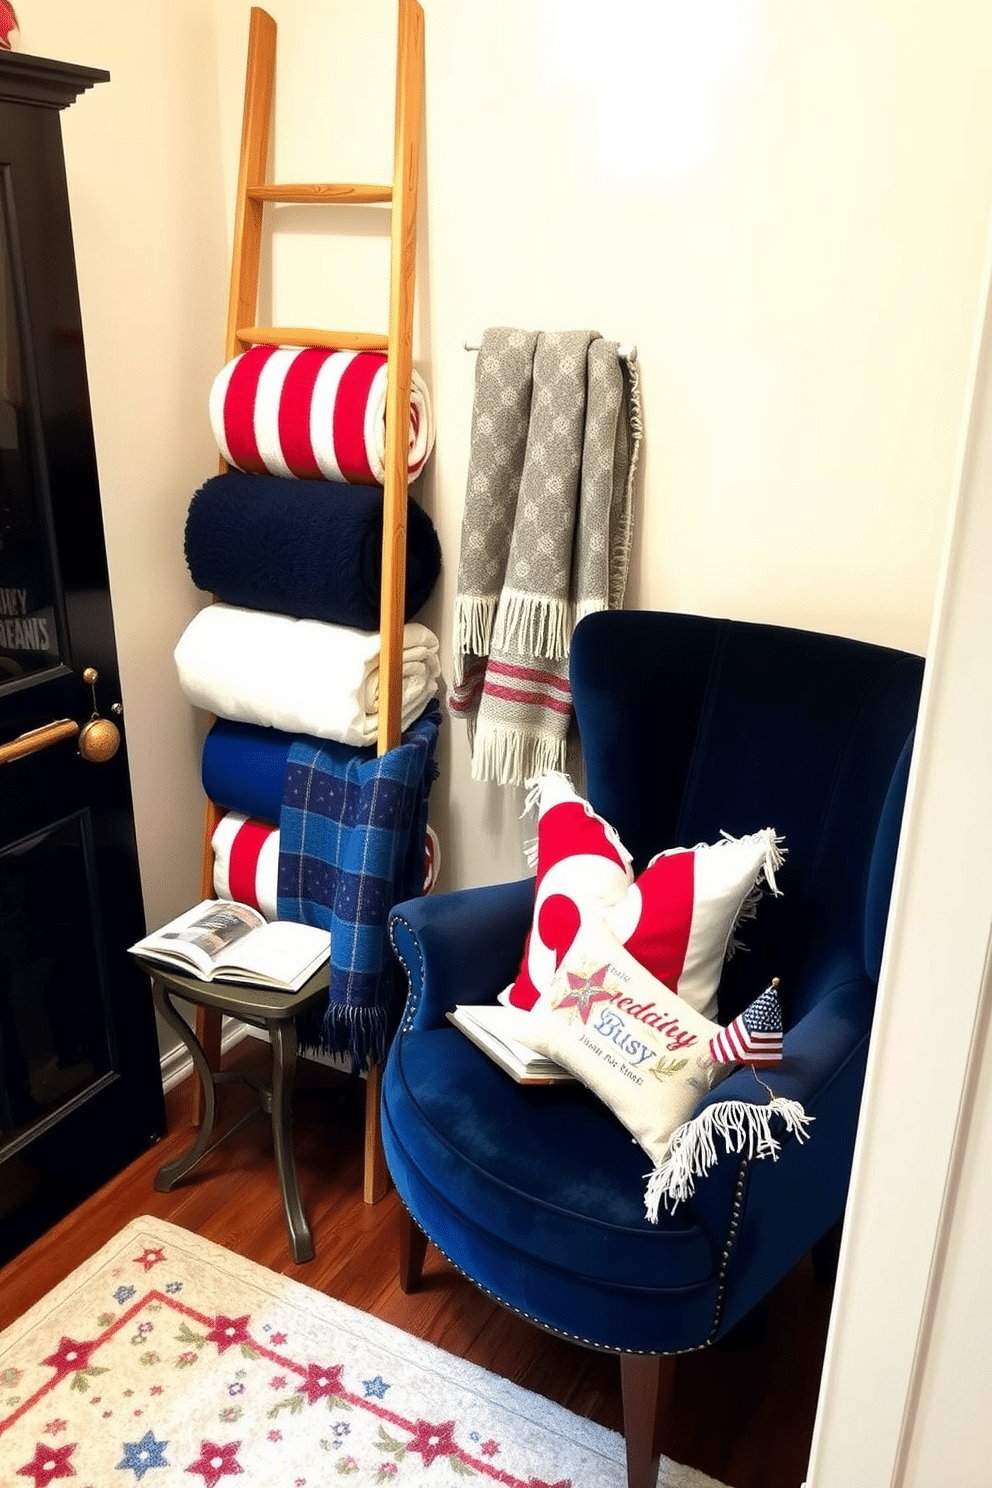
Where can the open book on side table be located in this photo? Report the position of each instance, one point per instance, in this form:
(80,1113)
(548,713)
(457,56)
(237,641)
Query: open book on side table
(221,941)
(489,1028)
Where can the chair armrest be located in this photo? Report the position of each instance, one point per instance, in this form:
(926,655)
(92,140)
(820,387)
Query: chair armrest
(460,947)
(823,1069)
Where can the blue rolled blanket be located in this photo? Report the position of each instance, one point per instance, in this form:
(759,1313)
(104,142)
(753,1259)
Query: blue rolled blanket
(310,549)
(243,767)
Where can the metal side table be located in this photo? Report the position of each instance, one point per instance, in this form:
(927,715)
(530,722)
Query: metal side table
(262,1007)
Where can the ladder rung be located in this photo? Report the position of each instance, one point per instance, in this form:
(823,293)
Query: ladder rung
(300,336)
(326,193)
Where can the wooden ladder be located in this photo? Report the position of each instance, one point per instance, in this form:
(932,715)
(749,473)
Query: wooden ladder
(253,192)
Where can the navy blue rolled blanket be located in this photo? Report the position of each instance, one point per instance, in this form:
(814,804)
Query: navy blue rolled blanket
(310,549)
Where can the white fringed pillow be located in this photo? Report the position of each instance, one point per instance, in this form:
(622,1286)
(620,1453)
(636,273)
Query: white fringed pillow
(651,1057)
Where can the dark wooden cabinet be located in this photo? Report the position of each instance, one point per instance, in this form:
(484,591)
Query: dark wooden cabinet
(80,1080)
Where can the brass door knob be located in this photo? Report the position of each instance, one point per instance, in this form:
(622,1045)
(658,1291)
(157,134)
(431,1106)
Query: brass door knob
(99,740)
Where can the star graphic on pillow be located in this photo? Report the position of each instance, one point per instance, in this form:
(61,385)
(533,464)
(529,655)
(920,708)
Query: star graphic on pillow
(585,992)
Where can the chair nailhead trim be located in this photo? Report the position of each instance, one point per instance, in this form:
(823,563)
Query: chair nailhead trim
(412,997)
(737,1210)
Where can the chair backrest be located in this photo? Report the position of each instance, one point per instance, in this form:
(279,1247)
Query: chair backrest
(692,726)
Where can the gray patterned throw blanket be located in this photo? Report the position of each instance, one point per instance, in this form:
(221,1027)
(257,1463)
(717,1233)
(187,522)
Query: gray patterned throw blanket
(546,533)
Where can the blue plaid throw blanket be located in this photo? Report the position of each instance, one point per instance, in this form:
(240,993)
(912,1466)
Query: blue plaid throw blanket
(351,845)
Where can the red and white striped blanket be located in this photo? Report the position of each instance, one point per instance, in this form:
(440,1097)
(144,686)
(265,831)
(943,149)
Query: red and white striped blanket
(311,414)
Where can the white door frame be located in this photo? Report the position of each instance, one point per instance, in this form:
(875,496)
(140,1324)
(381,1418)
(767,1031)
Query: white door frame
(932,1017)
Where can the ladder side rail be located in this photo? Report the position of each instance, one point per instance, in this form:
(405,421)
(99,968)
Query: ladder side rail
(260,71)
(403,269)
(402,280)
(242,306)
(247,246)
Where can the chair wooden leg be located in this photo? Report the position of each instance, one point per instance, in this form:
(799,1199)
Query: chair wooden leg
(640,1382)
(377,1179)
(413,1250)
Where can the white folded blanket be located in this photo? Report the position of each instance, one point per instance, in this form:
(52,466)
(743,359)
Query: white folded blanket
(300,676)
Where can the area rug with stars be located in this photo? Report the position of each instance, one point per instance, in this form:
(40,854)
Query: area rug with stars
(167,1360)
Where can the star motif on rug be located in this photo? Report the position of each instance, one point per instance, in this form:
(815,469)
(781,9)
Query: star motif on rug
(321,1382)
(228,1331)
(142,1455)
(376,1387)
(70,1356)
(432,1440)
(49,1463)
(216,1462)
(149,1257)
(585,992)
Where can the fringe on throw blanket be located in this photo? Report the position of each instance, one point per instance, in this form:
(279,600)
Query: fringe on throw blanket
(546,536)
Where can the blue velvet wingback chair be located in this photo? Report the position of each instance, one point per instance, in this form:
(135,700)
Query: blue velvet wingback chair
(690,726)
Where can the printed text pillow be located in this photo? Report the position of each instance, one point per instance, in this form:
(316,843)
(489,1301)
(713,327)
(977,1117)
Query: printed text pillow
(646,1053)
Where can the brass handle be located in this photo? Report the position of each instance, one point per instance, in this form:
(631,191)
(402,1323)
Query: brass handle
(99,739)
(39,738)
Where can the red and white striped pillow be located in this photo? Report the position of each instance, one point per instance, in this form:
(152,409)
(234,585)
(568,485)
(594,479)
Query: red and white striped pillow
(313,414)
(582,866)
(677,920)
(246,861)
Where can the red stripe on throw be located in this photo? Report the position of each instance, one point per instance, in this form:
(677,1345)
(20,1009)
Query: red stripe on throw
(239,409)
(294,413)
(349,417)
(242,871)
(538,699)
(532,676)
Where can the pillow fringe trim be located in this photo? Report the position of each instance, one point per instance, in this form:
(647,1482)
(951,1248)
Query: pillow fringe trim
(741,1125)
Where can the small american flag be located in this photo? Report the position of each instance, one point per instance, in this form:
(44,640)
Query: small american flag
(756,1036)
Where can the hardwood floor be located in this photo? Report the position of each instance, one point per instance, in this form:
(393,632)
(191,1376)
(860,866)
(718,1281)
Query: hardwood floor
(742,1412)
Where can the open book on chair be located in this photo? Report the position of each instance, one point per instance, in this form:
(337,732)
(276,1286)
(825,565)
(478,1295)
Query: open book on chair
(487,1027)
(220,940)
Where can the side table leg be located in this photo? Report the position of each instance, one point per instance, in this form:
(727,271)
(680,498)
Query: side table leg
(169,1174)
(207,1028)
(282,1034)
